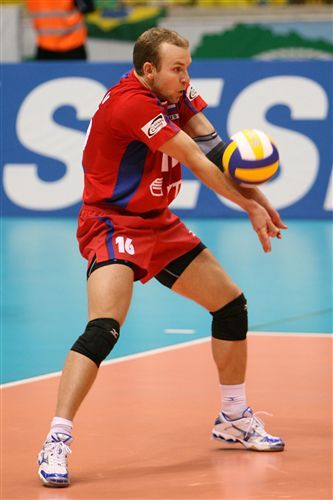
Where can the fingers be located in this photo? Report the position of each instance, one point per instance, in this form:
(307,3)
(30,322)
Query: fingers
(278,222)
(276,233)
(264,239)
(267,225)
(269,230)
(273,231)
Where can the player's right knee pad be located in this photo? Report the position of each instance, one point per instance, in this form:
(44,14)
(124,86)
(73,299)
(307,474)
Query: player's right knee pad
(230,322)
(98,339)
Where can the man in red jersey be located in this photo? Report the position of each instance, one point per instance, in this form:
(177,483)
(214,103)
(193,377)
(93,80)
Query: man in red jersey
(145,126)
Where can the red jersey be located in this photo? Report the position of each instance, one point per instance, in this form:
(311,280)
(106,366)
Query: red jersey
(123,168)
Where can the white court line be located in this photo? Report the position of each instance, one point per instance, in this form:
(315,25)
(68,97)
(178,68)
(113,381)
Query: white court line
(187,331)
(112,361)
(293,334)
(161,350)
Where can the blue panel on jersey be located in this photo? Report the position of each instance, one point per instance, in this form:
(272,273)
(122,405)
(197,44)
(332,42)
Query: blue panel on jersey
(109,236)
(130,173)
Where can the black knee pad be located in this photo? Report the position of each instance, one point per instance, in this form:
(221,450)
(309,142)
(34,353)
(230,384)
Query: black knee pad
(230,322)
(98,339)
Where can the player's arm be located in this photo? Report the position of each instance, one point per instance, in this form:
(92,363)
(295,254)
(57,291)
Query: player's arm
(185,150)
(203,133)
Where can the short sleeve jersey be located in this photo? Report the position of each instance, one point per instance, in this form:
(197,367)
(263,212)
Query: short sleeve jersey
(122,166)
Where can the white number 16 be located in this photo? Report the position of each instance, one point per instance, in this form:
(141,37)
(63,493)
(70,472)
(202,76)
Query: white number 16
(125,245)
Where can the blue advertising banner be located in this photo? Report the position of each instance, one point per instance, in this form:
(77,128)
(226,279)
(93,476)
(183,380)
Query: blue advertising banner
(46,108)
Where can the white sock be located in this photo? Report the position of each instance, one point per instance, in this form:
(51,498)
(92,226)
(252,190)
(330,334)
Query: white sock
(233,400)
(61,425)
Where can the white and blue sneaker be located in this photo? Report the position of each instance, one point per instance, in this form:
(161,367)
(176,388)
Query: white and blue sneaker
(247,430)
(52,460)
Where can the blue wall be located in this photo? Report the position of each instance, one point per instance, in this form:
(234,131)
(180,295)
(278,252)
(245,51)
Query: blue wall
(46,109)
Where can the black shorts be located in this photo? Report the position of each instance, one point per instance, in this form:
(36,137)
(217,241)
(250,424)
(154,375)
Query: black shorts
(175,268)
(168,276)
(52,55)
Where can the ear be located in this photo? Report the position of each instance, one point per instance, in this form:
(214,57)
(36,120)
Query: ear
(149,70)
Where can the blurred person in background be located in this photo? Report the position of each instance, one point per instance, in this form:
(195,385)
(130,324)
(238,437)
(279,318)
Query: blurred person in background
(60,28)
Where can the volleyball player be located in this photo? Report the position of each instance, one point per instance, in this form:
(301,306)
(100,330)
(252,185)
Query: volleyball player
(145,127)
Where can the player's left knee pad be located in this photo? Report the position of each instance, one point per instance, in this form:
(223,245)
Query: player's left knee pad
(98,339)
(230,322)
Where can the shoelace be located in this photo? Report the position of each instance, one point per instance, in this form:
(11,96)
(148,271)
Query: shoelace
(57,453)
(256,422)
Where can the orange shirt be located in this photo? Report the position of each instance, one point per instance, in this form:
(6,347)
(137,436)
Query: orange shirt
(59,24)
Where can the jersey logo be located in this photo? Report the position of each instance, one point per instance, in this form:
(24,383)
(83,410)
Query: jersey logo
(153,126)
(176,186)
(114,333)
(156,188)
(191,93)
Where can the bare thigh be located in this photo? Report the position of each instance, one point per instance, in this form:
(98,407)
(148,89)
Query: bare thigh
(206,282)
(109,292)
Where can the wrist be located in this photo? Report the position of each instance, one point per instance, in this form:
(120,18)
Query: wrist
(250,206)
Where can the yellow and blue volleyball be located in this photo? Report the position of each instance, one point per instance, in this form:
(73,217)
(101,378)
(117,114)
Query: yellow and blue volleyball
(250,158)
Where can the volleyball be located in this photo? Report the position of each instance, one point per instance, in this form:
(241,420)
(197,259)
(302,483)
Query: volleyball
(250,158)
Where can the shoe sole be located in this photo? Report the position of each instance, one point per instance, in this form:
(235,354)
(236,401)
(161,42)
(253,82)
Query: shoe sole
(248,446)
(48,484)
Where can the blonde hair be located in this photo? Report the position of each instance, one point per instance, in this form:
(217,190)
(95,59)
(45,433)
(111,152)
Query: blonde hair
(146,48)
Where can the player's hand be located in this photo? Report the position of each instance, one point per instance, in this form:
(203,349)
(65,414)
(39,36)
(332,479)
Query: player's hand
(276,219)
(263,224)
(257,195)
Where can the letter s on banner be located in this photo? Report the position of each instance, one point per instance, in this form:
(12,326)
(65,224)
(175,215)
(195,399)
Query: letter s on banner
(299,155)
(37,131)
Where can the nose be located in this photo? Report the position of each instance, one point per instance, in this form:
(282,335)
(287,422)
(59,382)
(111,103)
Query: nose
(185,77)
